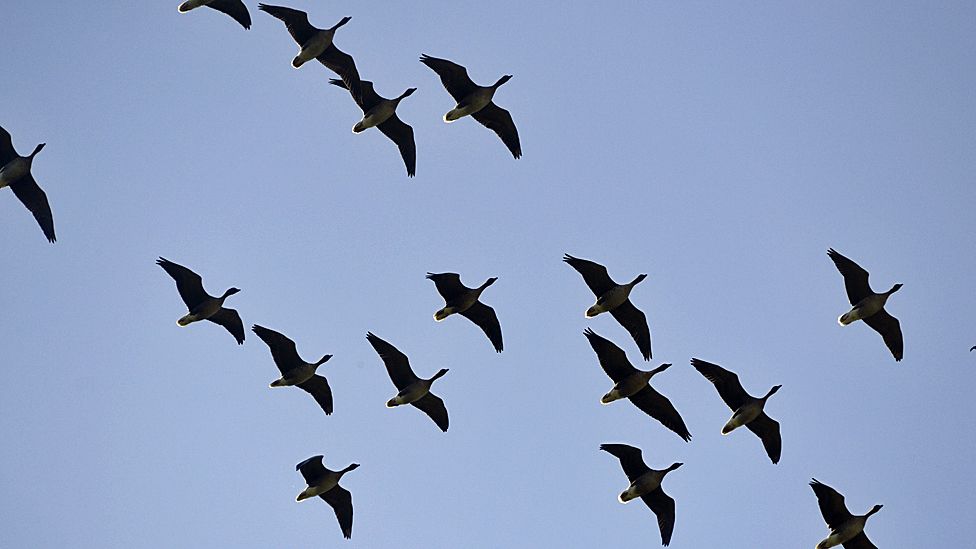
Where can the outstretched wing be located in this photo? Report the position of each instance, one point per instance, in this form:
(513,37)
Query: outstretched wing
(631,459)
(663,507)
(486,319)
(282,348)
(726,382)
(342,64)
(7,152)
(295,20)
(767,429)
(318,387)
(890,329)
(341,502)
(397,365)
(500,121)
(229,319)
(612,359)
(434,407)
(454,77)
(448,285)
(235,9)
(660,408)
(634,321)
(188,283)
(855,278)
(402,134)
(594,274)
(831,503)
(31,195)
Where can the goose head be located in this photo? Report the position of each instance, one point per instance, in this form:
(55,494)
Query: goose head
(406,93)
(322,361)
(487,283)
(350,468)
(673,466)
(440,373)
(873,510)
(501,81)
(772,391)
(639,278)
(894,289)
(230,292)
(340,23)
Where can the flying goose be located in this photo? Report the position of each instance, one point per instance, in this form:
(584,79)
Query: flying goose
(614,298)
(464,301)
(845,529)
(325,484)
(381,112)
(413,390)
(629,382)
(317,44)
(15,173)
(645,483)
(294,370)
(202,305)
(746,410)
(233,8)
(475,100)
(868,306)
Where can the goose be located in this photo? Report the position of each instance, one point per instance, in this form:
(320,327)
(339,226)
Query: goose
(462,300)
(15,173)
(233,8)
(747,410)
(413,390)
(614,298)
(645,483)
(295,371)
(868,306)
(845,529)
(202,305)
(475,100)
(381,112)
(629,382)
(325,484)
(317,44)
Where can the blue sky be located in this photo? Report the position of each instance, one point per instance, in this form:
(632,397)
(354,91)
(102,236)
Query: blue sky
(721,149)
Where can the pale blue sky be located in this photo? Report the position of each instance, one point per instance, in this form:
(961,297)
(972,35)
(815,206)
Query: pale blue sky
(719,148)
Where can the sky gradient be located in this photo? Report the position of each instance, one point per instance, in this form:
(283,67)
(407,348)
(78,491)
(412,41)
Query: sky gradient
(721,149)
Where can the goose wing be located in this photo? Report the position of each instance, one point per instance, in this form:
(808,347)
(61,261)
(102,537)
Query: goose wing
(188,283)
(660,408)
(341,502)
(397,365)
(32,196)
(726,382)
(295,20)
(767,429)
(369,98)
(634,321)
(663,507)
(448,285)
(312,469)
(229,319)
(631,459)
(282,348)
(890,329)
(832,505)
(235,9)
(594,274)
(342,64)
(500,121)
(318,387)
(7,152)
(402,134)
(433,406)
(612,359)
(855,278)
(454,77)
(859,541)
(486,319)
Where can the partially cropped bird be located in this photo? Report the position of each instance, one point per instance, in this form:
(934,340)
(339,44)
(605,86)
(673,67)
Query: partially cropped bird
(413,390)
(15,173)
(381,113)
(845,529)
(295,371)
(476,101)
(233,8)
(318,44)
(202,305)
(325,484)
(746,410)
(614,298)
(868,306)
(459,299)
(634,384)
(645,483)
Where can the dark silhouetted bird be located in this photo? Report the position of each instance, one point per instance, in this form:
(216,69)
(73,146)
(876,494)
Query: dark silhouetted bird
(233,8)
(381,113)
(202,305)
(464,301)
(868,306)
(845,528)
(295,371)
(645,483)
(15,173)
(325,484)
(413,390)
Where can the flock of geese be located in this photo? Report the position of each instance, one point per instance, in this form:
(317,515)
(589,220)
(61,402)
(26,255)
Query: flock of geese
(629,382)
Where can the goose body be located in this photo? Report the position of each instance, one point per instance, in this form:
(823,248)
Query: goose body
(316,43)
(295,372)
(459,299)
(868,305)
(15,172)
(615,299)
(634,384)
(234,8)
(845,529)
(380,113)
(324,483)
(475,101)
(201,305)
(412,389)
(645,483)
(746,409)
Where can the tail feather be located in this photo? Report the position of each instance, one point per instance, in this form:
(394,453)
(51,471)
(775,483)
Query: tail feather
(848,318)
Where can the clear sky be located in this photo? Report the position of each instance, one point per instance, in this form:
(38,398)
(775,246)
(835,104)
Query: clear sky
(720,148)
